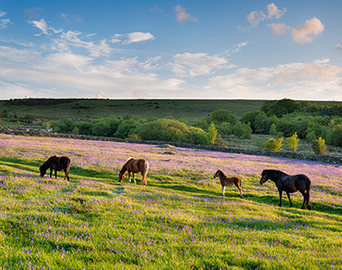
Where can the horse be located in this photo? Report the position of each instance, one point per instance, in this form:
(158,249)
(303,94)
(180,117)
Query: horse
(57,164)
(133,166)
(289,184)
(228,181)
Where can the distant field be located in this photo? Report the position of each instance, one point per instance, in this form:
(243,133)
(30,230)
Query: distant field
(94,108)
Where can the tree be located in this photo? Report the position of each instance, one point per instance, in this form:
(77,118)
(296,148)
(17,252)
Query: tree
(220,116)
(293,142)
(319,147)
(212,133)
(273,130)
(274,145)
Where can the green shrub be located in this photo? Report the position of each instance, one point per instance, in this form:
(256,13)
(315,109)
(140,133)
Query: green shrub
(310,135)
(273,130)
(133,137)
(197,136)
(336,135)
(274,145)
(219,141)
(64,125)
(292,142)
(319,147)
(224,128)
(127,127)
(242,130)
(212,133)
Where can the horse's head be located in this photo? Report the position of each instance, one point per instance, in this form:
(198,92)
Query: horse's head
(121,175)
(264,177)
(217,174)
(42,171)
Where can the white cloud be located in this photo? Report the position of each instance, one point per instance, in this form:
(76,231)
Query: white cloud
(236,48)
(138,37)
(5,22)
(339,48)
(311,29)
(256,17)
(279,28)
(182,15)
(273,11)
(42,25)
(193,65)
(2,13)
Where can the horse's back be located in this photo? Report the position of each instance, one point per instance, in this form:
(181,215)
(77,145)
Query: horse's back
(137,165)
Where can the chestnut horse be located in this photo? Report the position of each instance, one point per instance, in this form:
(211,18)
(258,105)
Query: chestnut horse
(228,181)
(133,166)
(57,164)
(289,184)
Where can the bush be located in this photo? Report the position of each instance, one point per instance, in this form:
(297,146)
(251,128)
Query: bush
(65,125)
(197,136)
(127,127)
(273,130)
(219,141)
(224,128)
(293,142)
(212,133)
(242,130)
(274,145)
(336,136)
(319,147)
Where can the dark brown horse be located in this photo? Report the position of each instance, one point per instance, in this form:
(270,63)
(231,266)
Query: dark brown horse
(133,166)
(57,164)
(289,184)
(228,181)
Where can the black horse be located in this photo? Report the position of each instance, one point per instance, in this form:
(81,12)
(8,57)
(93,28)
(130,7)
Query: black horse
(289,184)
(57,164)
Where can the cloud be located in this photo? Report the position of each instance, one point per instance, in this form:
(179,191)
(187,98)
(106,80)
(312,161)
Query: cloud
(2,13)
(273,11)
(182,15)
(279,28)
(138,37)
(256,17)
(68,17)
(339,48)
(327,72)
(156,9)
(5,22)
(311,29)
(193,65)
(34,12)
(42,25)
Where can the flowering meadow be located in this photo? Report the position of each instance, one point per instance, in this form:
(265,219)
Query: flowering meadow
(179,220)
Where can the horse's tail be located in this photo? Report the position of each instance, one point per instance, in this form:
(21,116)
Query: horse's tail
(146,167)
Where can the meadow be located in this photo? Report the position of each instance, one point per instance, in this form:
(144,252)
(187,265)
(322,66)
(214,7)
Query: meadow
(178,221)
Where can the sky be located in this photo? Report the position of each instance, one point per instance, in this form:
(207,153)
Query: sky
(126,49)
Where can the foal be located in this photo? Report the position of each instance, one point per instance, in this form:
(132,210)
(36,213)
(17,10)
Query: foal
(228,181)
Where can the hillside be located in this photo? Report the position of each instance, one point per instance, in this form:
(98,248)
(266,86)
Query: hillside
(53,109)
(178,221)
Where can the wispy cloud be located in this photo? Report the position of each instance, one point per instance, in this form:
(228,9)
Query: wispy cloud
(339,48)
(69,17)
(279,28)
(5,22)
(188,64)
(33,12)
(182,15)
(311,29)
(256,17)
(138,37)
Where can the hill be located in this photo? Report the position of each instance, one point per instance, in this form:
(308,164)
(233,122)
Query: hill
(178,221)
(90,109)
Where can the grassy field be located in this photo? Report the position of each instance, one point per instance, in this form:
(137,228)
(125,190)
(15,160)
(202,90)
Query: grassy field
(96,108)
(178,221)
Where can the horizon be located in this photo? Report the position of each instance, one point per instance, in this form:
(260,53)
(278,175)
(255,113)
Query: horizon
(245,50)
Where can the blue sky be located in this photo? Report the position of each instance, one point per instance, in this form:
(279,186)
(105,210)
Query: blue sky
(171,49)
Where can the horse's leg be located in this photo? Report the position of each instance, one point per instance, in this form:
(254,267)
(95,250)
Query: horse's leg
(280,197)
(223,189)
(308,206)
(56,173)
(134,178)
(288,196)
(129,177)
(51,172)
(239,188)
(66,174)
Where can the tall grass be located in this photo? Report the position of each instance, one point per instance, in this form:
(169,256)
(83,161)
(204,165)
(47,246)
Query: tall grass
(178,221)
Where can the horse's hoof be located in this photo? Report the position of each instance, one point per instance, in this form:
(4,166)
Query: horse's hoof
(308,207)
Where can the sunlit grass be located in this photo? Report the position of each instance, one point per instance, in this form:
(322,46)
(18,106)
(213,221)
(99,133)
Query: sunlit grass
(178,221)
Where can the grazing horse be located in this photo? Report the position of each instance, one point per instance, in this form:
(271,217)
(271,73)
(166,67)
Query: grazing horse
(228,181)
(133,166)
(289,184)
(57,164)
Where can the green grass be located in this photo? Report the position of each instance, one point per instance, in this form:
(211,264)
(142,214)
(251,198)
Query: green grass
(83,109)
(179,221)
